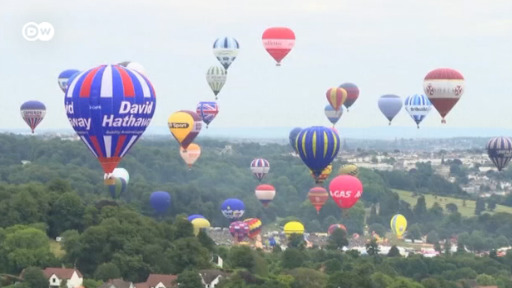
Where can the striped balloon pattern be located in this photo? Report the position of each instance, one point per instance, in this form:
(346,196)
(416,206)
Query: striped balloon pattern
(110,107)
(332,114)
(207,110)
(418,107)
(265,193)
(444,87)
(499,150)
(317,147)
(260,168)
(390,105)
(292,137)
(336,97)
(226,50)
(216,77)
(398,225)
(318,196)
(352,94)
(254,227)
(239,230)
(33,113)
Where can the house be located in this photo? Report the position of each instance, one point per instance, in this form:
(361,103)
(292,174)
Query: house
(117,283)
(55,277)
(211,277)
(158,281)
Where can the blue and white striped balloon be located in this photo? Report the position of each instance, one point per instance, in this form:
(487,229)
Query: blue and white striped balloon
(226,50)
(418,107)
(332,114)
(499,150)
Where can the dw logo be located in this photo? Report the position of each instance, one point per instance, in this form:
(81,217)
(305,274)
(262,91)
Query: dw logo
(43,31)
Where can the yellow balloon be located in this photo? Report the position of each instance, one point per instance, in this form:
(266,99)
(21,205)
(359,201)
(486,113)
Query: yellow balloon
(398,225)
(348,169)
(293,227)
(200,223)
(184,126)
(190,155)
(324,175)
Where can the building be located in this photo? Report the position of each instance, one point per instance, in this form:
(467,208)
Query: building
(117,283)
(56,276)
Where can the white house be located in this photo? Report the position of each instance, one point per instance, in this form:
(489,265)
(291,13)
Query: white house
(211,277)
(55,277)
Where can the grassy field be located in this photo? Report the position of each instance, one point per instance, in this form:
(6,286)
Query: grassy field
(467,210)
(56,249)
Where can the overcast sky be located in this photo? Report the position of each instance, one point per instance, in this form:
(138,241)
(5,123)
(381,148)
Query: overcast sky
(381,46)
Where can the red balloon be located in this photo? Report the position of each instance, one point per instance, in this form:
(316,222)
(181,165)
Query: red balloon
(318,196)
(345,190)
(278,41)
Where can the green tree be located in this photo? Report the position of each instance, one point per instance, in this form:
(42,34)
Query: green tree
(66,213)
(451,207)
(421,207)
(91,283)
(34,278)
(337,240)
(432,237)
(308,278)
(380,280)
(480,206)
(107,271)
(205,240)
(394,252)
(485,280)
(189,279)
(242,257)
(292,258)
(372,248)
(414,232)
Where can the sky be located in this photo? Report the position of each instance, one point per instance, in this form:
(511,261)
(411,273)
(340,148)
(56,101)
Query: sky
(381,46)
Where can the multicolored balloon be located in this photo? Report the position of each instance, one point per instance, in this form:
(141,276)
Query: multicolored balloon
(323,176)
(278,41)
(332,114)
(293,227)
(194,216)
(254,227)
(260,168)
(226,50)
(199,224)
(121,179)
(160,201)
(110,107)
(499,150)
(265,193)
(207,110)
(390,105)
(418,107)
(233,208)
(349,169)
(345,190)
(398,225)
(318,196)
(190,155)
(352,94)
(336,226)
(293,138)
(65,78)
(336,97)
(184,126)
(444,87)
(216,77)
(33,113)
(317,147)
(239,230)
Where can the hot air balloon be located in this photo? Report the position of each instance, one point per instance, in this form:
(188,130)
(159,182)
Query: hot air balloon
(345,190)
(121,179)
(336,226)
(207,110)
(318,196)
(278,41)
(418,107)
(216,77)
(323,176)
(226,50)
(499,150)
(398,225)
(194,216)
(443,87)
(160,201)
(265,193)
(239,230)
(199,223)
(293,227)
(110,107)
(293,137)
(260,168)
(336,97)
(352,94)
(134,66)
(390,105)
(33,113)
(348,169)
(65,77)
(233,208)
(190,155)
(332,114)
(184,126)
(254,227)
(317,147)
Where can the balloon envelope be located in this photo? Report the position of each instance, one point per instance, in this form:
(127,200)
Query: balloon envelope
(226,50)
(265,193)
(260,168)
(352,93)
(120,183)
(418,107)
(349,169)
(332,114)
(444,87)
(334,227)
(134,66)
(65,77)
(390,105)
(398,225)
(278,41)
(233,208)
(207,110)
(194,216)
(190,155)
(216,77)
(184,126)
(318,196)
(293,227)
(33,113)
(160,201)
(254,227)
(345,190)
(499,150)
(324,175)
(293,137)
(199,223)
(336,97)
(239,230)
(110,107)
